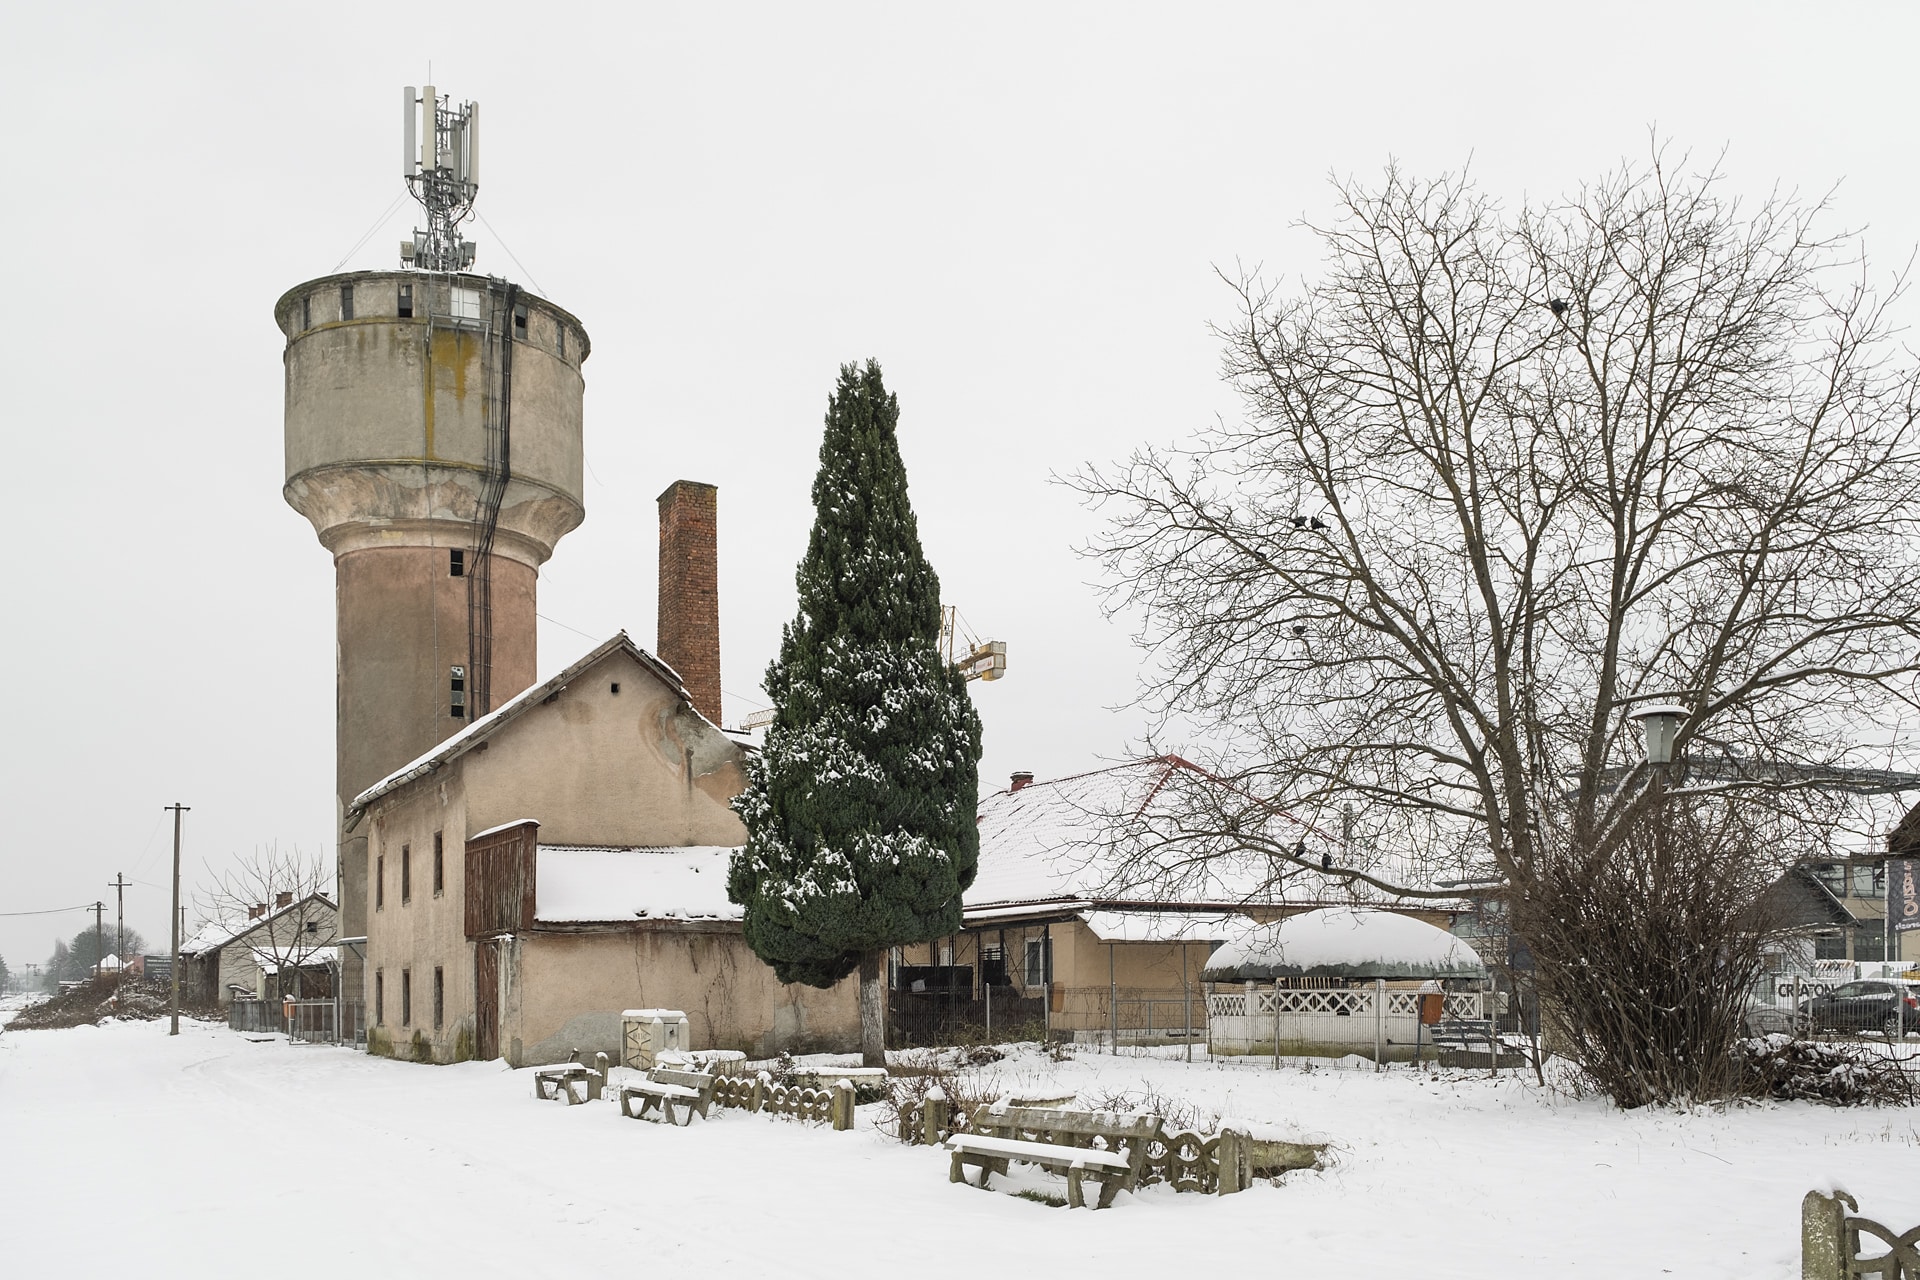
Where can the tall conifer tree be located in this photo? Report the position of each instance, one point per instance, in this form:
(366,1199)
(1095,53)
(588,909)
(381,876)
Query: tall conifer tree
(860,807)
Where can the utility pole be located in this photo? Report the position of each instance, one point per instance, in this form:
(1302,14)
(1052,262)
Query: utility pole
(174,974)
(99,936)
(119,886)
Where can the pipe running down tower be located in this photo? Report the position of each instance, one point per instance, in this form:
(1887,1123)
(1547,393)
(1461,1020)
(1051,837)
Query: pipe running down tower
(433,439)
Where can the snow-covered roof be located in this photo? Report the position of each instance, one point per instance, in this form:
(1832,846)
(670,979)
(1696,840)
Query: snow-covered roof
(1343,942)
(575,884)
(1099,839)
(302,958)
(1163,926)
(488,725)
(498,827)
(216,933)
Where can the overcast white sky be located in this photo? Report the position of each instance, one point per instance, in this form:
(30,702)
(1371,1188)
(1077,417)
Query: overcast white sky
(1016,208)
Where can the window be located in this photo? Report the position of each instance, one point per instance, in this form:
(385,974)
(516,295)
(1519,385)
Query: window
(560,340)
(346,302)
(379,998)
(406,997)
(406,302)
(456,562)
(380,882)
(313,926)
(439,997)
(306,312)
(457,692)
(1869,879)
(1036,962)
(466,304)
(520,321)
(439,866)
(406,874)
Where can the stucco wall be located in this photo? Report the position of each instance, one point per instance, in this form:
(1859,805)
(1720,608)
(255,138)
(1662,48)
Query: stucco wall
(599,767)
(428,929)
(571,990)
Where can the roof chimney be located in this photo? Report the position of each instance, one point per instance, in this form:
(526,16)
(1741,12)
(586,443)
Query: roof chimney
(1021,779)
(257,910)
(689,617)
(283,899)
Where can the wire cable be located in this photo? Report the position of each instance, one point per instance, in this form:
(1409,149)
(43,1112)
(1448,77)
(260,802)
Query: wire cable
(51,911)
(542,289)
(577,631)
(378,222)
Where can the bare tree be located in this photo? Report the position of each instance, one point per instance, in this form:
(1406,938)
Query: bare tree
(1507,476)
(282,897)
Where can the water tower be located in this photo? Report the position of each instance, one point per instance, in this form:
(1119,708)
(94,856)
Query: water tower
(433,436)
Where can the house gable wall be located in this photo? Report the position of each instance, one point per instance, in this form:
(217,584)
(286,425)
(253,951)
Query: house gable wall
(603,768)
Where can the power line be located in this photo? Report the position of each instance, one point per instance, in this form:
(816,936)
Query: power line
(50,911)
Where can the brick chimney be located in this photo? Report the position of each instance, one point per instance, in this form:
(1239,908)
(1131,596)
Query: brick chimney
(283,899)
(1021,780)
(689,616)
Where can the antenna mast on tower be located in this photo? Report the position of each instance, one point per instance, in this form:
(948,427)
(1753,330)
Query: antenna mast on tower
(442,168)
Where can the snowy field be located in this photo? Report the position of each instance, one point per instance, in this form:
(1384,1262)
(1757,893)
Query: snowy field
(215,1154)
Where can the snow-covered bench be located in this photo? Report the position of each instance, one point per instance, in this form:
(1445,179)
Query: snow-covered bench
(1465,1034)
(1061,1140)
(665,1086)
(560,1080)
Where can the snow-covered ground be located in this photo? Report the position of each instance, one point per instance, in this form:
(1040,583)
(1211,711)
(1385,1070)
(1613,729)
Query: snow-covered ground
(231,1154)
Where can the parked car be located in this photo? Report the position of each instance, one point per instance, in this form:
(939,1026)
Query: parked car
(1759,1019)
(1890,1006)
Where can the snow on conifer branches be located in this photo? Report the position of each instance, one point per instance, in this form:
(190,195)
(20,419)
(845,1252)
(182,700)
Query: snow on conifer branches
(860,807)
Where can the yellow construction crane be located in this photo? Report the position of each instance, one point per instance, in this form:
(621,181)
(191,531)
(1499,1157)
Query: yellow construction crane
(978,659)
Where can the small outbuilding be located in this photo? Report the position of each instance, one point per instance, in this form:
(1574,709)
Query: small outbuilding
(1336,981)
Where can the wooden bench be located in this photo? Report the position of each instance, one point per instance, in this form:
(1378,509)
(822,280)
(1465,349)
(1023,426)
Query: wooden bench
(665,1086)
(1060,1140)
(560,1079)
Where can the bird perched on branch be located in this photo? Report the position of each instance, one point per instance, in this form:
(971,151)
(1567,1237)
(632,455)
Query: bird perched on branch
(1558,306)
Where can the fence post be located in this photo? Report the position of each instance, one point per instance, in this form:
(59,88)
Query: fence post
(758,1094)
(1276,1018)
(1234,1161)
(843,1105)
(1379,1024)
(1823,1236)
(933,1116)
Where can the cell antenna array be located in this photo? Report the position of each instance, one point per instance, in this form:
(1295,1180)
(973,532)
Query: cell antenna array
(442,168)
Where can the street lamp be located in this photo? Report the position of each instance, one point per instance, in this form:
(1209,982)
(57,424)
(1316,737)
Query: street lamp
(1661,725)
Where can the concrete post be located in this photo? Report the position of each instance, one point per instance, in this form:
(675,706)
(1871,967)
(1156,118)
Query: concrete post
(1235,1164)
(759,1094)
(843,1105)
(1823,1235)
(933,1117)
(597,1082)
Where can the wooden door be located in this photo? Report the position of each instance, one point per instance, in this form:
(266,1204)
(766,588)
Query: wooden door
(486,999)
